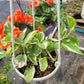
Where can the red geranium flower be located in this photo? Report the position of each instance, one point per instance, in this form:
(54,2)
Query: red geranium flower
(36,3)
(50,1)
(4,47)
(1,35)
(39,29)
(2,26)
(9,19)
(17,32)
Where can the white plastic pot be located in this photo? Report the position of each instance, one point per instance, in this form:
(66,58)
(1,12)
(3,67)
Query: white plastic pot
(57,64)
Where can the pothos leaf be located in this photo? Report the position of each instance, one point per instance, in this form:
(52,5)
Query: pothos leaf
(21,60)
(29,74)
(43,63)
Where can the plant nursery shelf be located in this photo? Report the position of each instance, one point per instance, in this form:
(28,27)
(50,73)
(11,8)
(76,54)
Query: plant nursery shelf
(80,20)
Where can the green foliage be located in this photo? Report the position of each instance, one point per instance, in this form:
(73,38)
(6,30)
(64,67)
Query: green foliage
(43,63)
(7,28)
(21,60)
(29,74)
(5,80)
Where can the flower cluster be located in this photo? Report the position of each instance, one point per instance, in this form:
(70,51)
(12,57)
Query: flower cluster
(39,29)
(17,33)
(2,35)
(36,3)
(20,17)
(50,1)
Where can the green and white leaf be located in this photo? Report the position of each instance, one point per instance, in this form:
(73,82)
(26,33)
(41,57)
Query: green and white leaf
(43,64)
(52,46)
(63,30)
(29,37)
(22,35)
(2,54)
(44,44)
(71,23)
(35,49)
(6,40)
(29,74)
(21,60)
(40,36)
(71,44)
(7,28)
(32,58)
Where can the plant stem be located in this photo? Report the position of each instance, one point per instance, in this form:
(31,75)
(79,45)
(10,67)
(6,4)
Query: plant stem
(50,55)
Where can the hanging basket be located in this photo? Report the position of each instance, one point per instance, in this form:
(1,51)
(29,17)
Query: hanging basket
(57,63)
(52,74)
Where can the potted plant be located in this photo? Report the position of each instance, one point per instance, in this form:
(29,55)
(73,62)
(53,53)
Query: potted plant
(35,56)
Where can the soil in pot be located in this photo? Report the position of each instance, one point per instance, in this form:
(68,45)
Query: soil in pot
(38,73)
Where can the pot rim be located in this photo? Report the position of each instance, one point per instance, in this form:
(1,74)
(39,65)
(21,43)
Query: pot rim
(57,64)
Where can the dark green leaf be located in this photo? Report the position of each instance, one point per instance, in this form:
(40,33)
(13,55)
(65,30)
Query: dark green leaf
(32,58)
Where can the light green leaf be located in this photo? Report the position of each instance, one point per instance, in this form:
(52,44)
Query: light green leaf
(21,60)
(2,54)
(22,35)
(32,58)
(40,36)
(63,30)
(6,40)
(43,64)
(52,46)
(44,44)
(18,41)
(7,28)
(29,74)
(29,37)
(71,23)
(71,44)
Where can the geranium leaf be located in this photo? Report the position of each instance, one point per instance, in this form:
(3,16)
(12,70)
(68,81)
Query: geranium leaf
(43,63)
(32,58)
(71,44)
(40,36)
(29,74)
(29,37)
(37,24)
(21,60)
